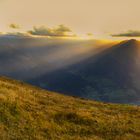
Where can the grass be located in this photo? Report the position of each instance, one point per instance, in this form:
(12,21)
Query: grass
(30,113)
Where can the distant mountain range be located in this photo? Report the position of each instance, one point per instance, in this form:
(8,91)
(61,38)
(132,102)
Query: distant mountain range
(109,72)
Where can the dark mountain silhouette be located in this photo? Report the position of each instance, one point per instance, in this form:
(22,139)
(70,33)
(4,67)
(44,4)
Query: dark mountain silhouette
(111,76)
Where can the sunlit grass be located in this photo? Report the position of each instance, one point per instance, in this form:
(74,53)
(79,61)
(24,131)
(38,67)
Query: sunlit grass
(27,112)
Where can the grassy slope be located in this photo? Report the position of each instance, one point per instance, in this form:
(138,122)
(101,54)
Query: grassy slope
(27,112)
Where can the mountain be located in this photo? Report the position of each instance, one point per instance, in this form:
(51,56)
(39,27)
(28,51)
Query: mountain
(113,75)
(31,113)
(91,69)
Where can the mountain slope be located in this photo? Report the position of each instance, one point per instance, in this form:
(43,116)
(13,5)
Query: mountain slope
(111,76)
(90,69)
(27,112)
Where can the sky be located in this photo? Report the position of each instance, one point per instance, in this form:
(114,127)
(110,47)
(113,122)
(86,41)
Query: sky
(105,19)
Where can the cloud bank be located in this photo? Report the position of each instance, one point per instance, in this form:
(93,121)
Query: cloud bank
(130,33)
(59,31)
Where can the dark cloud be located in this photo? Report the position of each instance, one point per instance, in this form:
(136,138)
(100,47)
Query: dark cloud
(14,26)
(15,35)
(130,33)
(59,31)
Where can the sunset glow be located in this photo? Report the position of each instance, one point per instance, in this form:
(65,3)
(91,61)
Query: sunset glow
(88,18)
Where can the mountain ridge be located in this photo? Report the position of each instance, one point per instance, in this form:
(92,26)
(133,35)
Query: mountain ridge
(105,72)
(112,70)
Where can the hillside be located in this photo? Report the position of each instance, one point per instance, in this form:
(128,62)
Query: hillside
(27,112)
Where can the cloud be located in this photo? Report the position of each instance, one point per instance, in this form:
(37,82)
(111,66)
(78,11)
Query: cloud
(89,34)
(15,35)
(130,33)
(14,26)
(59,31)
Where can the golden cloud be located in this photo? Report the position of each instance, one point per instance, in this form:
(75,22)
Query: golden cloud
(59,31)
(14,26)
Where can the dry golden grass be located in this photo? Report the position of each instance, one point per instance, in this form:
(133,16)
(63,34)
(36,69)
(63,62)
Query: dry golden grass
(29,113)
